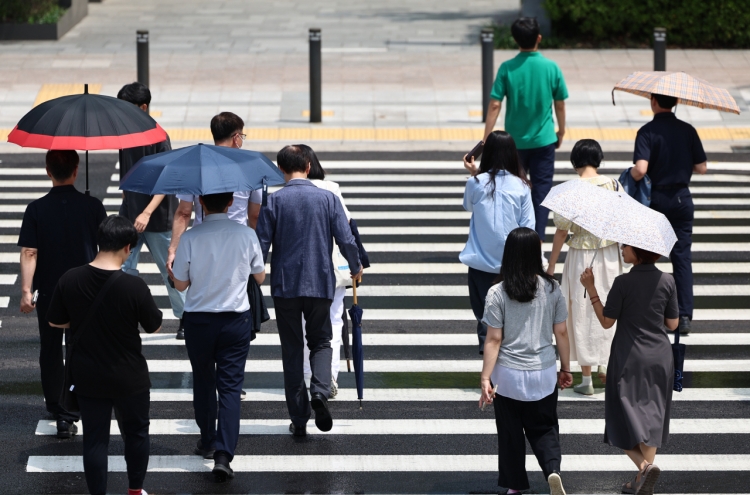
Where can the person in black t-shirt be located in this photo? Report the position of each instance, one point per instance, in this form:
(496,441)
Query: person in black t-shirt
(151,215)
(58,233)
(107,366)
(670,151)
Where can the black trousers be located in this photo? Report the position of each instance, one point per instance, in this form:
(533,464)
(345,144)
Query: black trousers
(677,206)
(479,284)
(538,420)
(132,417)
(51,361)
(217,345)
(540,164)
(319,332)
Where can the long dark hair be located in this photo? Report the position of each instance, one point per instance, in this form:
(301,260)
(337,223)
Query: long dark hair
(522,263)
(316,170)
(500,154)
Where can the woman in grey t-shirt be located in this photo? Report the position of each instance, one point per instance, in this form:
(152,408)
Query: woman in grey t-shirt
(521,313)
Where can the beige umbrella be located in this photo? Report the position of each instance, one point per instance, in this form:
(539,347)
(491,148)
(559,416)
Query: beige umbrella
(687,89)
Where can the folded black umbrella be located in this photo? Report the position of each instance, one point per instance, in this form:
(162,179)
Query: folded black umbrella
(257,306)
(678,352)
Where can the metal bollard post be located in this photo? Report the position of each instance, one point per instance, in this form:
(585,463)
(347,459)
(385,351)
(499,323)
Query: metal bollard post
(141,38)
(660,48)
(488,67)
(315,76)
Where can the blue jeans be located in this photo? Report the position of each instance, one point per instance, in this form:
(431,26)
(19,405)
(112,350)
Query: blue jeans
(540,165)
(158,245)
(217,345)
(677,206)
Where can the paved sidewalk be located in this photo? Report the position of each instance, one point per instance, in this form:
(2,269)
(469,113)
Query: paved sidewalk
(402,73)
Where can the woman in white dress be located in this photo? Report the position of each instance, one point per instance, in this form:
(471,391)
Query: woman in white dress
(317,177)
(589,342)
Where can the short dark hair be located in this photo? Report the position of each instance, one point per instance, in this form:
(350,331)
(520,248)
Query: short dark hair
(292,159)
(115,232)
(522,264)
(215,203)
(135,93)
(224,125)
(586,152)
(645,257)
(61,163)
(665,101)
(525,31)
(316,169)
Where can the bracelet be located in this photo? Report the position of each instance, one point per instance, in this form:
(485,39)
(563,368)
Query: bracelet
(565,371)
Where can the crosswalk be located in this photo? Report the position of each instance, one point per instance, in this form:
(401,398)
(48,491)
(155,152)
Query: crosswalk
(420,430)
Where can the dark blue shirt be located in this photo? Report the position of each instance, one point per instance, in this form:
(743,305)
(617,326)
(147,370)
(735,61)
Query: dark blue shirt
(671,147)
(302,221)
(62,227)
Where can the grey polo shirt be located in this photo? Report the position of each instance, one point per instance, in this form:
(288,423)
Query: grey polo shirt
(217,257)
(527,327)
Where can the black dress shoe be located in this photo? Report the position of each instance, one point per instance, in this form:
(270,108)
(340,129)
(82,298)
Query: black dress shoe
(684,325)
(323,419)
(180,332)
(205,453)
(222,471)
(66,429)
(298,431)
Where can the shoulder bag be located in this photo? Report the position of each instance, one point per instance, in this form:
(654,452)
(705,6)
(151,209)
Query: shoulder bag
(68,399)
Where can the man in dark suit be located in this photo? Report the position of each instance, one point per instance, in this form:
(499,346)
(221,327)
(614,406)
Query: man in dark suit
(302,221)
(58,233)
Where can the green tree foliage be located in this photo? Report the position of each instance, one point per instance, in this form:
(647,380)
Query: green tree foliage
(689,23)
(30,11)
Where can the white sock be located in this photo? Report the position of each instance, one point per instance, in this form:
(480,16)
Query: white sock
(586,380)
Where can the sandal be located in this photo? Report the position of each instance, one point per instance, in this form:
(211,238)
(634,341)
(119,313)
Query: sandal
(649,475)
(627,487)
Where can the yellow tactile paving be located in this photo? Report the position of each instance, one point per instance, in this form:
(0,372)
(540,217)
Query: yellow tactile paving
(51,91)
(322,133)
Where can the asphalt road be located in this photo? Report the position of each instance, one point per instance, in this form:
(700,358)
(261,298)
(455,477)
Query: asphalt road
(727,454)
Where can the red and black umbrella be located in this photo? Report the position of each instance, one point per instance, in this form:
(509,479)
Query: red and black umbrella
(86,122)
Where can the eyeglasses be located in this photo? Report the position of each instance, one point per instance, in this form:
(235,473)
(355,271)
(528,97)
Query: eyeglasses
(242,136)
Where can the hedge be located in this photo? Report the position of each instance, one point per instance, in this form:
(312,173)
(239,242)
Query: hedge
(689,23)
(30,11)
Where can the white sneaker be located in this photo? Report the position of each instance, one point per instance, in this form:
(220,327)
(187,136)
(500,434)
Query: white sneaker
(334,389)
(555,484)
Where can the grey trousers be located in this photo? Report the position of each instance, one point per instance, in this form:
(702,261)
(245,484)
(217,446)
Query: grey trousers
(289,313)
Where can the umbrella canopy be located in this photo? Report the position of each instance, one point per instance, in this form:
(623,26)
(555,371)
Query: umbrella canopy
(687,89)
(612,215)
(202,169)
(86,122)
(355,313)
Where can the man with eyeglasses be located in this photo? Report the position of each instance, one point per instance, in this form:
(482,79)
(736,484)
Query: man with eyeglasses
(226,129)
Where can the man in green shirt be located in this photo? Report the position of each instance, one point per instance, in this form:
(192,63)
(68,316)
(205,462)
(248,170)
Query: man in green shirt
(532,84)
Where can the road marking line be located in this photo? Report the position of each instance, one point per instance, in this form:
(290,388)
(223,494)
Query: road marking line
(449,395)
(389,463)
(430,366)
(445,339)
(587,426)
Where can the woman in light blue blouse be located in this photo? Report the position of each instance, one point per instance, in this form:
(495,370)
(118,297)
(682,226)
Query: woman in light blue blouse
(499,198)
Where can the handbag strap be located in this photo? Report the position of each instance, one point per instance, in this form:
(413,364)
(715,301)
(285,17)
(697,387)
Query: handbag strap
(92,310)
(616,184)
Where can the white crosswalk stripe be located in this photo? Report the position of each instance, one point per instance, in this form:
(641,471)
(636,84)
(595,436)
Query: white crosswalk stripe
(401,208)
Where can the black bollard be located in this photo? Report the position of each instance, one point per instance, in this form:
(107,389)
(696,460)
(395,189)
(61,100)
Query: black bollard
(660,48)
(141,38)
(488,68)
(316,112)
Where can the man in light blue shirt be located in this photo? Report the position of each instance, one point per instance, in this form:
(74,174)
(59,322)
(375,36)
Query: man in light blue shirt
(214,262)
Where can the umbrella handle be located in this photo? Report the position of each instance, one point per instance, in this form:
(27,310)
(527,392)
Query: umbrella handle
(354,288)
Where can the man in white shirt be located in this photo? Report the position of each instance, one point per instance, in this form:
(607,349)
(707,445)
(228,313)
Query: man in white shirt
(214,262)
(226,129)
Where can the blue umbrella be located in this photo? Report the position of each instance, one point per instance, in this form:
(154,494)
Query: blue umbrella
(355,313)
(202,169)
(678,352)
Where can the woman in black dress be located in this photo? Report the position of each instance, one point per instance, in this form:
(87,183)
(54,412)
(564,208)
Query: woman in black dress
(640,375)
